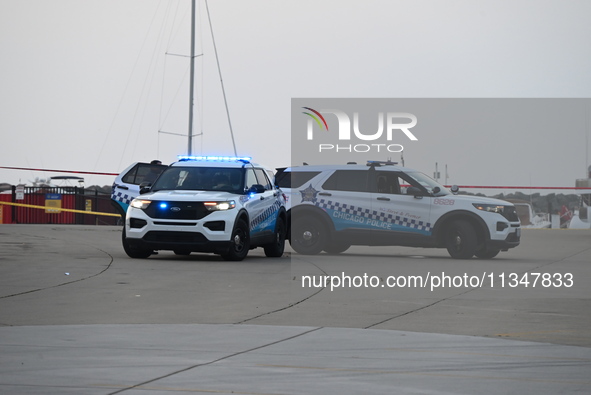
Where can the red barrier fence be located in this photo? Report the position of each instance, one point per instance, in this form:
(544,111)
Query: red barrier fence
(72,198)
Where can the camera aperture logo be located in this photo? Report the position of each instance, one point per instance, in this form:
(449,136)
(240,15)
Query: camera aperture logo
(394,122)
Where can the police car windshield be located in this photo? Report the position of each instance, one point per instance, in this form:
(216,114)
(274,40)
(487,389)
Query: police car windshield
(221,179)
(432,186)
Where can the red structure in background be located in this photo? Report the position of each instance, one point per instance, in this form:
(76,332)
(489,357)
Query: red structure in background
(66,197)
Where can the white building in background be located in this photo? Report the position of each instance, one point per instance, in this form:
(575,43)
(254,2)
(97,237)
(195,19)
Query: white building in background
(581,219)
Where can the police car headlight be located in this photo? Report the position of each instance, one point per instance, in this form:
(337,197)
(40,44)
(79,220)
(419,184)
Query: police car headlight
(219,206)
(491,208)
(140,203)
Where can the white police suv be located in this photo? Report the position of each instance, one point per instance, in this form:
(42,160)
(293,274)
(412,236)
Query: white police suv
(221,205)
(332,207)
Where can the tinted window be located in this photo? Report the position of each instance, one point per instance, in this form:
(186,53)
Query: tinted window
(397,183)
(419,179)
(201,179)
(388,182)
(143,172)
(294,179)
(271,176)
(250,179)
(263,179)
(347,180)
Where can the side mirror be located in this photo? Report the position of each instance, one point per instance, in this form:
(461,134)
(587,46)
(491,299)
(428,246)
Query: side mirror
(416,192)
(454,189)
(145,187)
(256,188)
(436,190)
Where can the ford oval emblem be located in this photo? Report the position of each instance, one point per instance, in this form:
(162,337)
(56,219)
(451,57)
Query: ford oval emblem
(175,209)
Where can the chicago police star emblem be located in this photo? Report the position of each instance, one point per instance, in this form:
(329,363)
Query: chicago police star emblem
(309,194)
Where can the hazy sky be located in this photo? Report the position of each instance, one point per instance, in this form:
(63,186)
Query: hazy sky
(86,85)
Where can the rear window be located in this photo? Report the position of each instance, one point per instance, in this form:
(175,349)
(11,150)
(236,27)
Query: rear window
(296,179)
(347,180)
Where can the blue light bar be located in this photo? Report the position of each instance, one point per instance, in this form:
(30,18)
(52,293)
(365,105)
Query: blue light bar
(381,162)
(216,158)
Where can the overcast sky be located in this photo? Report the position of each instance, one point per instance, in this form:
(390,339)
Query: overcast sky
(86,85)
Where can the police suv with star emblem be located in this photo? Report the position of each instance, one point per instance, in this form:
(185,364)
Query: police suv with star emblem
(221,205)
(332,207)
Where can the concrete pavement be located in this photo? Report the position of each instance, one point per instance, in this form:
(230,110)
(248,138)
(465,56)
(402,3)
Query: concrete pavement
(78,316)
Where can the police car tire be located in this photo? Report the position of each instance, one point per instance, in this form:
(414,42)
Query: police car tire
(238,251)
(316,231)
(336,247)
(134,252)
(275,249)
(460,240)
(487,253)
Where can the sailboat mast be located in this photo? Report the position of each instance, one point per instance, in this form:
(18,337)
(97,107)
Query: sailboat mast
(191,80)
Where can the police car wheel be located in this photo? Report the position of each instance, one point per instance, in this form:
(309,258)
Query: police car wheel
(460,240)
(487,253)
(336,247)
(239,242)
(275,249)
(308,235)
(134,252)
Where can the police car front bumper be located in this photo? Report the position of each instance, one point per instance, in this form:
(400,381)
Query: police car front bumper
(512,239)
(210,234)
(174,240)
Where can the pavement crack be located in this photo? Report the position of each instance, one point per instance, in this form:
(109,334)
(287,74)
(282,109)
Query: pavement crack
(215,361)
(67,282)
(291,304)
(470,290)
(419,308)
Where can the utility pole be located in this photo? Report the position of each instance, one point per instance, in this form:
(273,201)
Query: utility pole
(191,80)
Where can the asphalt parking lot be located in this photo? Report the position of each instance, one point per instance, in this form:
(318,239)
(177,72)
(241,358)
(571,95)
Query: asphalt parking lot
(78,316)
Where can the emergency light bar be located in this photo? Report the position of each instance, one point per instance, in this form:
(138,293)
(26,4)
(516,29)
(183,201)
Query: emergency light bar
(381,162)
(245,159)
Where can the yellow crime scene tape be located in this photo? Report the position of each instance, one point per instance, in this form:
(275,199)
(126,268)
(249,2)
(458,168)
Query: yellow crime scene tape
(60,209)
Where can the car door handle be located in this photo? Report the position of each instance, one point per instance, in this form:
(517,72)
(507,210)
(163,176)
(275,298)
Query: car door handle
(384,198)
(325,194)
(121,186)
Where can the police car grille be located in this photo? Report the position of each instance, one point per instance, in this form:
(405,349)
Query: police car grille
(177,210)
(510,214)
(175,237)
